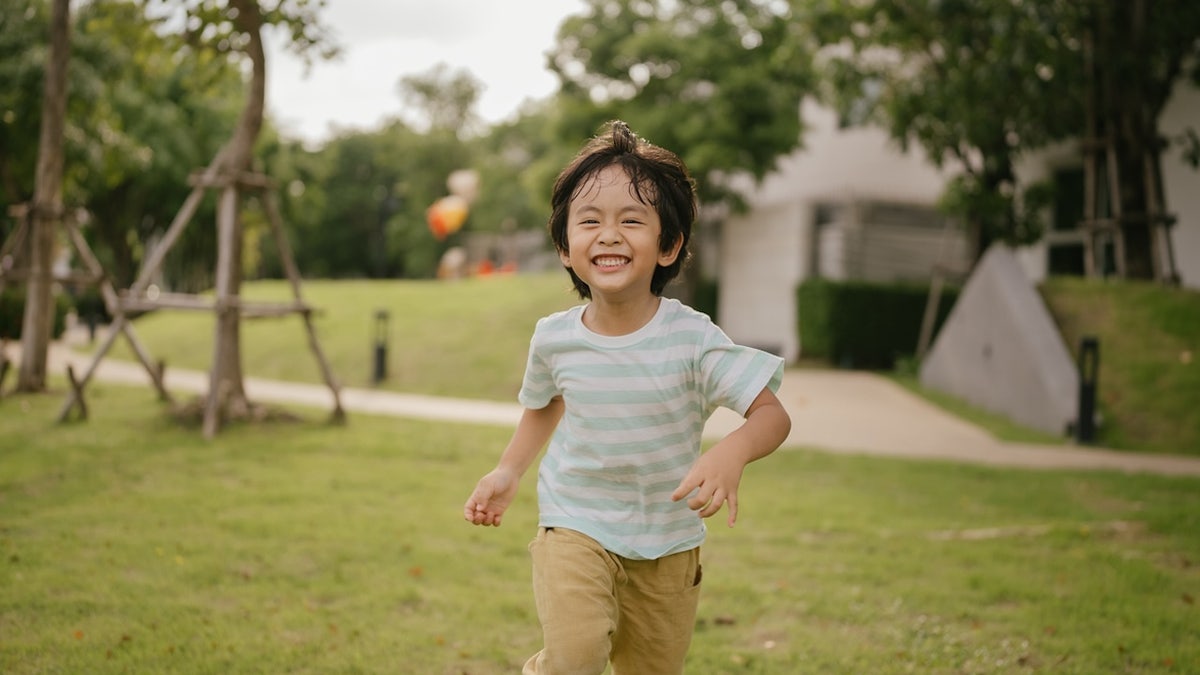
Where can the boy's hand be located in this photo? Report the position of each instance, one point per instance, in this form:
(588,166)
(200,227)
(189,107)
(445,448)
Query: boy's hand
(717,475)
(491,498)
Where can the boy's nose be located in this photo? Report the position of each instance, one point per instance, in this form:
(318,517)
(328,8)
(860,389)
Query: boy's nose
(610,234)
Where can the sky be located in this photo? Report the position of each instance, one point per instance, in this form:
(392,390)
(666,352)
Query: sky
(501,43)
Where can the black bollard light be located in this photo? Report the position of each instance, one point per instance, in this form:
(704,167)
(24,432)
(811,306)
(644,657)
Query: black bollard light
(1089,371)
(379,373)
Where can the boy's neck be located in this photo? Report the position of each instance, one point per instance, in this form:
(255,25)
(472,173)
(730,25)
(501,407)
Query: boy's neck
(613,318)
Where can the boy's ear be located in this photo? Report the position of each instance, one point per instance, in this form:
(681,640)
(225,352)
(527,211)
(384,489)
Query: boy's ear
(565,257)
(667,258)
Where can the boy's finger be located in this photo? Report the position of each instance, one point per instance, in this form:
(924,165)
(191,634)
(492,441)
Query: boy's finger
(704,501)
(685,487)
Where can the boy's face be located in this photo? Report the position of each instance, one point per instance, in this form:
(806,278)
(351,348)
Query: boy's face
(613,238)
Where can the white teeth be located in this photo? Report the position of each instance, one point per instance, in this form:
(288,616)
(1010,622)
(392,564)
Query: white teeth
(609,261)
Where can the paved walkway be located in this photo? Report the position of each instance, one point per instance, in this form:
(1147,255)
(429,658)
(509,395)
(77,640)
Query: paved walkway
(831,410)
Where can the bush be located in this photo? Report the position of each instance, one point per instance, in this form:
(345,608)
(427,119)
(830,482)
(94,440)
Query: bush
(704,298)
(12,313)
(89,303)
(859,324)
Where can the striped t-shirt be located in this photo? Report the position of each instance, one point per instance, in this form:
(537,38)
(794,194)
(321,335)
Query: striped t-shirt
(635,406)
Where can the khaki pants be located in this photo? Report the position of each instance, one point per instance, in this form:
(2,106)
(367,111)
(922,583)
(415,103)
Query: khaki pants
(597,607)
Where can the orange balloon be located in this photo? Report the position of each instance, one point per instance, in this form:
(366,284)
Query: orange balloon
(446,216)
(454,209)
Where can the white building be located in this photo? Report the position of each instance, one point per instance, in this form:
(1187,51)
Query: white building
(851,205)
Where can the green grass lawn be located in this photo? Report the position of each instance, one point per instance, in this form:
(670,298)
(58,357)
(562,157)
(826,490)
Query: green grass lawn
(469,338)
(465,338)
(130,545)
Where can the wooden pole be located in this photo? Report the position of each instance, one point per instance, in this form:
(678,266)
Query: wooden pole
(182,218)
(293,274)
(217,390)
(113,304)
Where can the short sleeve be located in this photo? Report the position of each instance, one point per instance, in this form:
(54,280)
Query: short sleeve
(734,375)
(537,386)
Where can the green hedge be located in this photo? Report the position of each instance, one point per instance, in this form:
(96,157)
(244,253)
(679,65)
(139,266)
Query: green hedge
(90,303)
(704,298)
(858,324)
(12,313)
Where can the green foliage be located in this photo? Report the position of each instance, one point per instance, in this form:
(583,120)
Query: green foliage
(218,26)
(718,83)
(374,188)
(978,84)
(1148,383)
(445,100)
(518,161)
(165,110)
(23,29)
(132,545)
(12,313)
(143,112)
(973,84)
(859,324)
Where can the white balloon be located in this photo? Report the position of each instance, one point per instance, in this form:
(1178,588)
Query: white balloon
(464,183)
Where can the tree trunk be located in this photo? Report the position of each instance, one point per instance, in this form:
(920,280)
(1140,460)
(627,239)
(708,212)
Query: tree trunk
(38,322)
(227,380)
(1131,129)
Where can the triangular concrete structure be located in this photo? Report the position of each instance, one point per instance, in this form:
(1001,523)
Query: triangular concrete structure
(1000,349)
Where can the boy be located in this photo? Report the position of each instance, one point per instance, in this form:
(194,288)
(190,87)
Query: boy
(621,387)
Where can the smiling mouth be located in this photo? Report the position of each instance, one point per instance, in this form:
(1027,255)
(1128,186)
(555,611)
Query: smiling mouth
(610,261)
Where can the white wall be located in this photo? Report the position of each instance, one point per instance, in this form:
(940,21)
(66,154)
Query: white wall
(764,253)
(846,164)
(760,268)
(1182,184)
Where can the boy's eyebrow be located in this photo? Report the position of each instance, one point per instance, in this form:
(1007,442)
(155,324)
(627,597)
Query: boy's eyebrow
(638,207)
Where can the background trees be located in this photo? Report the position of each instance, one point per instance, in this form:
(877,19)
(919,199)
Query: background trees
(975,83)
(718,82)
(143,110)
(979,83)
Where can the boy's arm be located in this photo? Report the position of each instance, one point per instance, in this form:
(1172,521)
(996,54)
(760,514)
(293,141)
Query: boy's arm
(719,471)
(497,489)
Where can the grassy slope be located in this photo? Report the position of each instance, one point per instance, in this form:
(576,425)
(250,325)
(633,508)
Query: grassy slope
(1149,375)
(129,545)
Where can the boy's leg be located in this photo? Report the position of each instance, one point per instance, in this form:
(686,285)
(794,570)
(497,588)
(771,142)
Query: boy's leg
(574,586)
(658,614)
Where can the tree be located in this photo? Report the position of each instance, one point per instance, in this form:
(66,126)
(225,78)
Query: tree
(46,213)
(972,82)
(375,188)
(143,110)
(517,162)
(718,82)
(164,108)
(978,83)
(445,100)
(1136,52)
(235,27)
(24,27)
